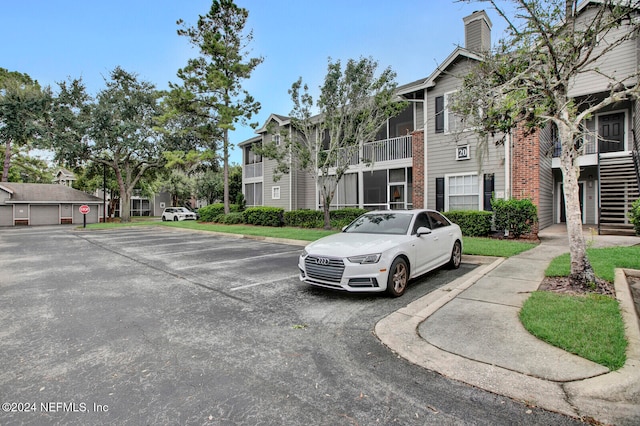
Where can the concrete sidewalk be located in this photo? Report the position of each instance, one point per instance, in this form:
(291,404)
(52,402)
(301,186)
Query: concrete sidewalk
(469,331)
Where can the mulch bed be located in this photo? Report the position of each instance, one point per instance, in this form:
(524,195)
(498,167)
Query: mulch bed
(563,285)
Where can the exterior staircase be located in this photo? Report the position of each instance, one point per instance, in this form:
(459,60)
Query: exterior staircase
(618,190)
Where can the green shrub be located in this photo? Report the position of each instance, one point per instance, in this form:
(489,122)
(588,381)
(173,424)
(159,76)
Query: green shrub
(212,211)
(264,216)
(241,202)
(315,218)
(634,215)
(304,218)
(515,216)
(233,218)
(472,223)
(342,217)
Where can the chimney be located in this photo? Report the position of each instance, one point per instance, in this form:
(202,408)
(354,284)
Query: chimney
(477,32)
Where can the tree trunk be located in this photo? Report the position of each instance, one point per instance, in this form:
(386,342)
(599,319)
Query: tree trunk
(7,161)
(225,171)
(581,270)
(125,205)
(327,214)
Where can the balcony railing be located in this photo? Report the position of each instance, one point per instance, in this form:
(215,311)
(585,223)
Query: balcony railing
(389,149)
(252,170)
(590,148)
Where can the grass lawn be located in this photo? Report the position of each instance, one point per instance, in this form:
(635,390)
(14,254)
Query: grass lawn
(590,326)
(471,245)
(492,247)
(302,234)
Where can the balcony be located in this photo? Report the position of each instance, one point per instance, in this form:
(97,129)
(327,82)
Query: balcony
(253,170)
(388,149)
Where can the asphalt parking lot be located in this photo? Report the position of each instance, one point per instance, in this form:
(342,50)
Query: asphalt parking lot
(164,326)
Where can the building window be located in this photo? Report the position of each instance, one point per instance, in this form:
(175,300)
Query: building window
(251,157)
(275,193)
(452,122)
(439,114)
(275,139)
(463,192)
(253,194)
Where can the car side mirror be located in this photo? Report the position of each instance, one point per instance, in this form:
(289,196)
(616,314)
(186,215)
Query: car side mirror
(423,230)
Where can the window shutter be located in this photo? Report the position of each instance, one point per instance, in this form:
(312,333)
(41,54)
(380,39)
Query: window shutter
(439,114)
(440,194)
(489,187)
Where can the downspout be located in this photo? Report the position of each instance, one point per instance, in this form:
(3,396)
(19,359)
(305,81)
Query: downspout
(507,167)
(292,192)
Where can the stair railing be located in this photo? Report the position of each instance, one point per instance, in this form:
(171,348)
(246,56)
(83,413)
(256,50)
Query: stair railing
(636,156)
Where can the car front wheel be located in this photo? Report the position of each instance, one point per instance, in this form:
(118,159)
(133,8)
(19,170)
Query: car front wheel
(164,219)
(398,278)
(456,256)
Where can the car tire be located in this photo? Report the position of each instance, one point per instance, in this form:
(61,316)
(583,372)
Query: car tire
(164,219)
(456,256)
(398,277)
(175,218)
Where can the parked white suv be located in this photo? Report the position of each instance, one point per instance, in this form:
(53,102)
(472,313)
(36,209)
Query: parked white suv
(177,213)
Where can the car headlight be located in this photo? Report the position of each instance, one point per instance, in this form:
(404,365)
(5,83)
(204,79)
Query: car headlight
(304,253)
(367,258)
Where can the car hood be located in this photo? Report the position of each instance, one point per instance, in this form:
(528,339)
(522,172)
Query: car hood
(352,244)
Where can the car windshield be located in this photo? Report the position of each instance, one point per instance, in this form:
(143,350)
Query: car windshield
(381,223)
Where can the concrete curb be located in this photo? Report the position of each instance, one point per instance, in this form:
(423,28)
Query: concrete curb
(613,397)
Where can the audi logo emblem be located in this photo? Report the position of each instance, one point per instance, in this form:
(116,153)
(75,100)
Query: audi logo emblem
(322,261)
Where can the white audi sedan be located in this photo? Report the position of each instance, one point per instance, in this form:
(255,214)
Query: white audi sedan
(382,251)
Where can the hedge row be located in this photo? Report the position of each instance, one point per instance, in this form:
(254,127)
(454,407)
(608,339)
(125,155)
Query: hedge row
(315,218)
(515,216)
(472,223)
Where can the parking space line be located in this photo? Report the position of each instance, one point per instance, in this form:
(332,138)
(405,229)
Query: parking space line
(243,259)
(242,287)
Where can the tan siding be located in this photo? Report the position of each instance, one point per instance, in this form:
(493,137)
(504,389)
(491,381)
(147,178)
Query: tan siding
(441,147)
(617,64)
(545,209)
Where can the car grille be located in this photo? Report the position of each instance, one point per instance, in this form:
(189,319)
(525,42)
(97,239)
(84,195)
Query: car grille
(324,269)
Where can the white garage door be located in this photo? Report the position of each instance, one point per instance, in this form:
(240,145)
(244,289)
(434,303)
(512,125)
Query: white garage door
(6,215)
(45,215)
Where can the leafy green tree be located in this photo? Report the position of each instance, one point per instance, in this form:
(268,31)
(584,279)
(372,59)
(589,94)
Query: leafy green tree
(212,82)
(354,103)
(526,82)
(182,169)
(24,106)
(210,185)
(118,130)
(26,168)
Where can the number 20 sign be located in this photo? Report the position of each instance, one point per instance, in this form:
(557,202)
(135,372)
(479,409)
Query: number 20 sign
(462,152)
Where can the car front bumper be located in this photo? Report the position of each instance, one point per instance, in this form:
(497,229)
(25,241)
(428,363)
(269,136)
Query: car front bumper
(340,274)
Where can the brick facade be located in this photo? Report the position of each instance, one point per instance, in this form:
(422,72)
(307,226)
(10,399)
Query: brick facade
(417,142)
(526,167)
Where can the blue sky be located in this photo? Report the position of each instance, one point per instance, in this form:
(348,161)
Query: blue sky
(52,40)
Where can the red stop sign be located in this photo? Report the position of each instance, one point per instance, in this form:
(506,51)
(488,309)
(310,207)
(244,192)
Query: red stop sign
(84,209)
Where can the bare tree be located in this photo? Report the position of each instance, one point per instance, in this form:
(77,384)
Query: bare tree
(526,81)
(354,103)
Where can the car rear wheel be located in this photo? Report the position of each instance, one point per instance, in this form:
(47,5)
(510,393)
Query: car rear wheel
(398,277)
(175,218)
(456,256)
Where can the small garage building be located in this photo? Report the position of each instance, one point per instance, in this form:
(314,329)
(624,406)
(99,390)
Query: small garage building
(45,204)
